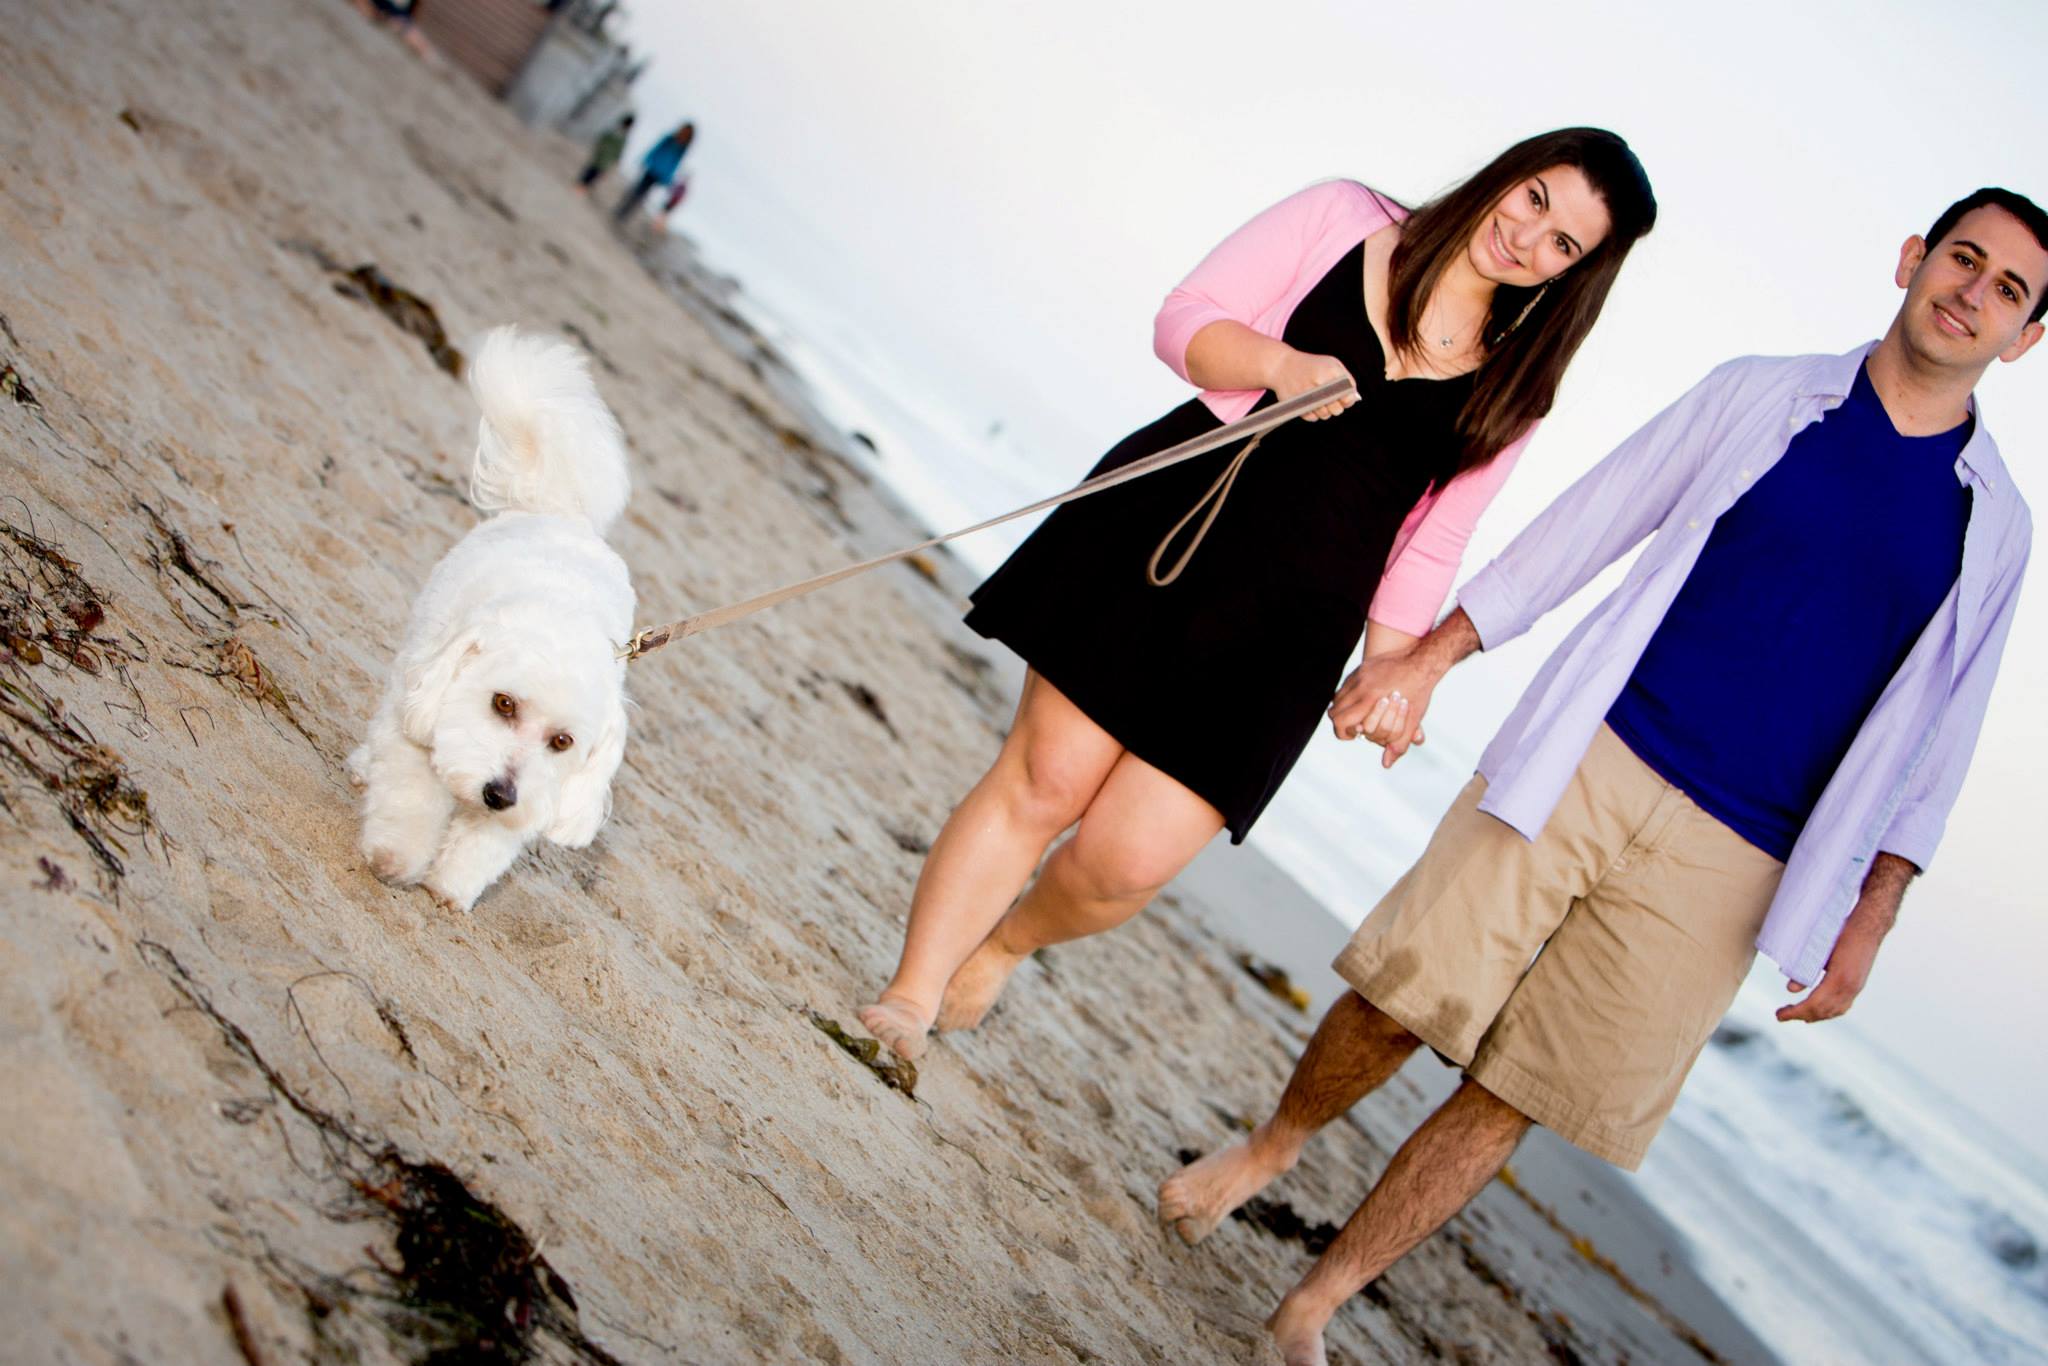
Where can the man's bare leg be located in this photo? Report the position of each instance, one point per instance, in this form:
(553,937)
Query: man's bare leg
(1051,766)
(1434,1175)
(1139,832)
(1355,1049)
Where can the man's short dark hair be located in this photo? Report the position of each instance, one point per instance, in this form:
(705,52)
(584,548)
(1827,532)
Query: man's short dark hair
(2019,206)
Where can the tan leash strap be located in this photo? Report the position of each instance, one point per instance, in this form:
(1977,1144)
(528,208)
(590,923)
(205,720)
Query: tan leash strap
(1254,426)
(1213,500)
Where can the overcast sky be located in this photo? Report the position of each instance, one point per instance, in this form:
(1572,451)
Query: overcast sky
(986,203)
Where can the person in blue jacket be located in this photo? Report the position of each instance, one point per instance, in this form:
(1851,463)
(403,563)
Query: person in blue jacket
(658,167)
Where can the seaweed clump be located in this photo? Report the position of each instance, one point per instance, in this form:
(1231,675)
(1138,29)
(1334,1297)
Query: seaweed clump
(469,1286)
(476,1285)
(406,310)
(1279,1219)
(1275,980)
(897,1074)
(50,616)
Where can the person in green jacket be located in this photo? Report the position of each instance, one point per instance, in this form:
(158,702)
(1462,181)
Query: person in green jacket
(605,153)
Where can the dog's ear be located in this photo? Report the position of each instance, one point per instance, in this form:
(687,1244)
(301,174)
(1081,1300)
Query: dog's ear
(427,676)
(587,793)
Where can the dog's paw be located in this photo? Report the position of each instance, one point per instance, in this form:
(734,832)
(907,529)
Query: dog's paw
(357,767)
(394,866)
(449,901)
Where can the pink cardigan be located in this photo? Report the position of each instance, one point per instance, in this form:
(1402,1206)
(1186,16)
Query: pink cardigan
(1256,276)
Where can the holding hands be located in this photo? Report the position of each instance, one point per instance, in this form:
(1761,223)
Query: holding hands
(1385,697)
(1383,701)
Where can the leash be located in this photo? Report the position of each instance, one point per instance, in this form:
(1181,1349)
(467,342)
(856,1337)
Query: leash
(1254,426)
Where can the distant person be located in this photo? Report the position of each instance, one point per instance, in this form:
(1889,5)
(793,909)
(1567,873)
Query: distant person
(605,152)
(402,16)
(1752,743)
(1157,715)
(658,167)
(672,203)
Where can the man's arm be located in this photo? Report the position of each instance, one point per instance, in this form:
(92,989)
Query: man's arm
(1605,514)
(1876,911)
(1916,827)
(1388,689)
(1596,521)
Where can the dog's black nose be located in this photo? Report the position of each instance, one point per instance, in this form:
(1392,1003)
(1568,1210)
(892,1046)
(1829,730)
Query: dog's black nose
(499,794)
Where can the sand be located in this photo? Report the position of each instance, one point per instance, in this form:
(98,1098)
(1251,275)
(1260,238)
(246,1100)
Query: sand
(262,1108)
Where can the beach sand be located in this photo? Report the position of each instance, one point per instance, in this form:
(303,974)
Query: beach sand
(262,1108)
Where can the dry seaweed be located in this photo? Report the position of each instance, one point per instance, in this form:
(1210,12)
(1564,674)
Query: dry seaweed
(469,1285)
(237,666)
(591,348)
(88,781)
(1584,1247)
(864,698)
(974,675)
(896,1073)
(1278,1218)
(177,563)
(407,311)
(367,284)
(49,612)
(13,386)
(909,841)
(238,1324)
(46,605)
(55,879)
(1275,980)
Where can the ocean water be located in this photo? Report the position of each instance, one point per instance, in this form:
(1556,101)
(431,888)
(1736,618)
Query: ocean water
(1850,1211)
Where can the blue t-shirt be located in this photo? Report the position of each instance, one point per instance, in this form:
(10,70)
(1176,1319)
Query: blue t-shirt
(1806,599)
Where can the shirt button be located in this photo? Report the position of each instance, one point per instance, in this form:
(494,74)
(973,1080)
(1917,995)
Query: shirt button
(1742,474)
(1692,524)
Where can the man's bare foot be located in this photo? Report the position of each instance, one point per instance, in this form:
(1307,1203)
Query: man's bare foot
(976,984)
(899,1024)
(1297,1328)
(1202,1194)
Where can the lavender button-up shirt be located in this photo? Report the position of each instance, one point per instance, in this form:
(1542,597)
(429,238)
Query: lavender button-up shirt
(1674,478)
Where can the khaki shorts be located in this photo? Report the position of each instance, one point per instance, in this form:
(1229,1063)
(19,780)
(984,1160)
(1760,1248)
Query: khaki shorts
(1641,912)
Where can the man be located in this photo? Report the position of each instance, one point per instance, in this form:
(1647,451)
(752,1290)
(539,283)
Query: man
(1754,742)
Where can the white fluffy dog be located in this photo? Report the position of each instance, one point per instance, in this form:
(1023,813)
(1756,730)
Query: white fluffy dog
(504,718)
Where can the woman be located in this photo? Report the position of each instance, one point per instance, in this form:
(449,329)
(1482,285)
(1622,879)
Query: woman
(1160,708)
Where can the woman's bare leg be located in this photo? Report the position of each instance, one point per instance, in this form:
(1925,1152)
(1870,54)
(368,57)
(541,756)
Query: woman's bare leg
(1051,766)
(1137,835)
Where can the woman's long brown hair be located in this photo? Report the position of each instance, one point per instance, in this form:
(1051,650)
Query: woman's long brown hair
(1518,378)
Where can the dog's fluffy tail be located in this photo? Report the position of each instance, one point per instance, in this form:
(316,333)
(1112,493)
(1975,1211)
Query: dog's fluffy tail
(546,443)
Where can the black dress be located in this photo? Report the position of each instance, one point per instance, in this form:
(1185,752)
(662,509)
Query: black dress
(1220,678)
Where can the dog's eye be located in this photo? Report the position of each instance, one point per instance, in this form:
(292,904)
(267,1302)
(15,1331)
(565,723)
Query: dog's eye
(503,704)
(560,741)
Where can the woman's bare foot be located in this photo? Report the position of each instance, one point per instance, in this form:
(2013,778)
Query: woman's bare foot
(1202,1194)
(976,984)
(1297,1327)
(899,1024)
